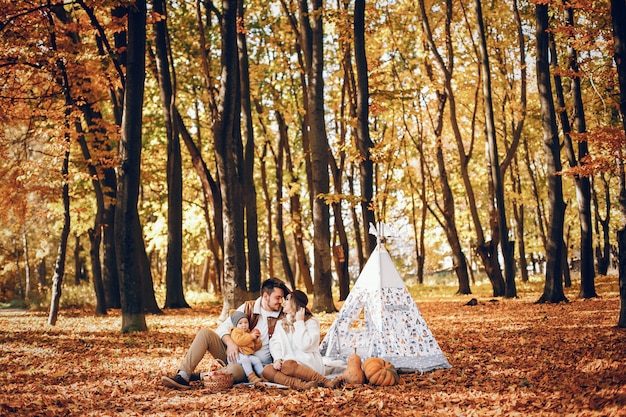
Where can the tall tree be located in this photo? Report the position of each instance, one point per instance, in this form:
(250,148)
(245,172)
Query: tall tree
(496,174)
(313,40)
(448,209)
(582,182)
(127,225)
(248,187)
(174,294)
(227,148)
(618,11)
(553,290)
(363,140)
(59,266)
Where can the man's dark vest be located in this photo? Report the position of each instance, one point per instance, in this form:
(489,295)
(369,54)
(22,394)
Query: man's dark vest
(254,318)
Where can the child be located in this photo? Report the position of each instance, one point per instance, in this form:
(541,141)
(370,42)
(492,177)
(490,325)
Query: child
(249,341)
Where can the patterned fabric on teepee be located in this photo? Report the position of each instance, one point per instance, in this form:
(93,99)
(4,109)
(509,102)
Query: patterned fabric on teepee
(380,319)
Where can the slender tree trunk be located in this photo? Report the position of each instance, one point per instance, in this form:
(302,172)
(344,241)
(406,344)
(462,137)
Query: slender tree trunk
(553,290)
(228,151)
(448,211)
(583,189)
(95,239)
(318,148)
(269,239)
(363,140)
(27,272)
(107,176)
(59,267)
(110,272)
(248,187)
(618,11)
(487,251)
(95,234)
(295,208)
(602,226)
(340,252)
(496,175)
(518,214)
(355,222)
(174,292)
(211,193)
(283,141)
(519,210)
(128,248)
(583,183)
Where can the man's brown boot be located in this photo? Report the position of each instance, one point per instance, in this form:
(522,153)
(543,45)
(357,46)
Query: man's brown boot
(293,368)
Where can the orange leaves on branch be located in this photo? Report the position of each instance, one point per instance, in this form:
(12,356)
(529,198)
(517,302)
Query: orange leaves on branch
(606,146)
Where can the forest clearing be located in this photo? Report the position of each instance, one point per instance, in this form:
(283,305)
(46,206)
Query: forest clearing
(509,357)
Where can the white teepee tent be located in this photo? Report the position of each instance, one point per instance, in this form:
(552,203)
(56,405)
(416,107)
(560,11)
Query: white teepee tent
(380,319)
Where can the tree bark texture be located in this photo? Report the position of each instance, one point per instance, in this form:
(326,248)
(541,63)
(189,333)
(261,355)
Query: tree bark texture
(248,187)
(363,140)
(318,148)
(126,216)
(227,154)
(174,293)
(553,290)
(618,11)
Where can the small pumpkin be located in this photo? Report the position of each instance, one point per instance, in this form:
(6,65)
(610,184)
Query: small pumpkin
(380,372)
(353,373)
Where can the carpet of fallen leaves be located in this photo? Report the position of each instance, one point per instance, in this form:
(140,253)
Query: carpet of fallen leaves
(509,358)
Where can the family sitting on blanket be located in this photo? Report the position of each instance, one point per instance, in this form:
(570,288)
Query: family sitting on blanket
(289,336)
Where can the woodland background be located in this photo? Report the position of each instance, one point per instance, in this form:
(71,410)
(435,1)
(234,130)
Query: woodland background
(180,145)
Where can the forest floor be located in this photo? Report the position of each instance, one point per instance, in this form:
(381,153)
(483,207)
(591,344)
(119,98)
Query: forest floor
(508,357)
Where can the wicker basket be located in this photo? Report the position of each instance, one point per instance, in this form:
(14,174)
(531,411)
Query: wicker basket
(216,379)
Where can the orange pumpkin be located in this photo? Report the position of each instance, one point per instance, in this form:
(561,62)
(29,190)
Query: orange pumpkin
(353,373)
(380,372)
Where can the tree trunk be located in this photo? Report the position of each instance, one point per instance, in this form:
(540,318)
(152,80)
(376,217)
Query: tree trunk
(228,151)
(318,147)
(27,271)
(583,189)
(618,11)
(583,183)
(340,251)
(496,174)
(79,262)
(95,234)
(107,176)
(295,208)
(59,267)
(248,187)
(519,209)
(355,223)
(174,292)
(363,140)
(553,290)
(126,216)
(448,210)
(489,258)
(211,193)
(603,247)
(110,272)
(95,238)
(269,239)
(283,141)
